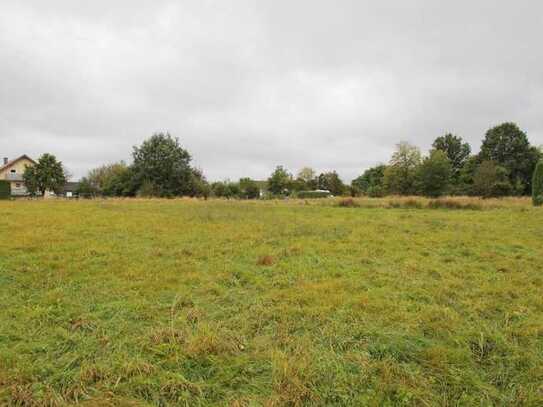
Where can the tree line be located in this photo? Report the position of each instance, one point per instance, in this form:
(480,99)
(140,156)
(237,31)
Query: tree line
(504,166)
(161,167)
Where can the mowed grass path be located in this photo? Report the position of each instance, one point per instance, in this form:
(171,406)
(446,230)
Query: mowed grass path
(187,302)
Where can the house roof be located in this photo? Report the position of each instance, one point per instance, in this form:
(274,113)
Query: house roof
(10,163)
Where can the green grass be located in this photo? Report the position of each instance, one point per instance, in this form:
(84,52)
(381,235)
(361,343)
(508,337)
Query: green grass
(187,302)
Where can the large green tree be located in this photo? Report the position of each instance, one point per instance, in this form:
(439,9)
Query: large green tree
(198,185)
(47,174)
(464,182)
(434,174)
(249,189)
(401,173)
(371,181)
(508,146)
(161,162)
(456,150)
(306,179)
(330,181)
(491,180)
(109,180)
(280,181)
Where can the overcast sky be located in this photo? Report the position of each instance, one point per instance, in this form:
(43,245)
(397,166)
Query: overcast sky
(248,85)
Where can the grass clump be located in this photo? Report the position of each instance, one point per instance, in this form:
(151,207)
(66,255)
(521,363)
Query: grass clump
(266,260)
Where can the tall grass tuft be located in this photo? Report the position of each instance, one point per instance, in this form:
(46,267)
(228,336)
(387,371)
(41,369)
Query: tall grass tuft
(445,203)
(347,203)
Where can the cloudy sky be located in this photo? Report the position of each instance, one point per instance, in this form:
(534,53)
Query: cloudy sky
(247,84)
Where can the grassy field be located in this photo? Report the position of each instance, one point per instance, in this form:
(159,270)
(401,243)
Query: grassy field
(185,302)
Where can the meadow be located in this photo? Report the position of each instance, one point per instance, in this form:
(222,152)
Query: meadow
(379,302)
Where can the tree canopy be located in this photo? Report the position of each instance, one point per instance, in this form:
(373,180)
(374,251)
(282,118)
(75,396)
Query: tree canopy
(330,181)
(490,180)
(434,174)
(508,147)
(47,174)
(371,181)
(279,181)
(307,179)
(456,150)
(162,162)
(400,175)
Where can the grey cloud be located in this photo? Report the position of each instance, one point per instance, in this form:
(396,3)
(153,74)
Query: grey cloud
(248,85)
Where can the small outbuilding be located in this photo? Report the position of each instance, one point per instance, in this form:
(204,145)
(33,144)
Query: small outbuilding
(71,190)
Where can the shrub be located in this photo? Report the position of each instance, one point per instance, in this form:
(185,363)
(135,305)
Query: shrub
(312,194)
(148,189)
(537,185)
(501,188)
(5,190)
(347,203)
(371,181)
(265,260)
(375,191)
(490,180)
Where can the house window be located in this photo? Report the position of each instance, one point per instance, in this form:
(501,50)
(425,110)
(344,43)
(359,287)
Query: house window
(13,171)
(17,185)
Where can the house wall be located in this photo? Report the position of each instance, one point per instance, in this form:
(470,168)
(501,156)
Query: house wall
(17,185)
(18,189)
(18,166)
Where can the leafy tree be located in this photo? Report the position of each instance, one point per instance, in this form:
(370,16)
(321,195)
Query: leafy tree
(279,181)
(124,183)
(225,189)
(491,180)
(401,173)
(537,185)
(110,180)
(307,179)
(464,182)
(248,189)
(297,185)
(198,186)
(456,150)
(371,181)
(218,189)
(86,189)
(232,190)
(147,189)
(162,162)
(46,175)
(434,174)
(330,181)
(508,147)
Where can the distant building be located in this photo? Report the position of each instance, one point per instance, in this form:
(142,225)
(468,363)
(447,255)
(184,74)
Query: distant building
(13,171)
(71,190)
